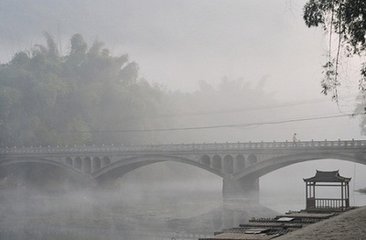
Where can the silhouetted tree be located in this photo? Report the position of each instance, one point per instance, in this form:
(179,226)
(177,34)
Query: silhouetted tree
(347,19)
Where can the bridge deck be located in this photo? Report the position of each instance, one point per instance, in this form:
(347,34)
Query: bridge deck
(187,147)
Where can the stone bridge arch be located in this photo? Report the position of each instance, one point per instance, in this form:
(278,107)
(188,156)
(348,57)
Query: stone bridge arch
(123,166)
(39,161)
(7,164)
(264,167)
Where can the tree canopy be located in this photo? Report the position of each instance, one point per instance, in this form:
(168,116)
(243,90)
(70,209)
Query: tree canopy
(49,99)
(347,20)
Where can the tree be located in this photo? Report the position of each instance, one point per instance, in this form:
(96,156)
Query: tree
(81,97)
(347,20)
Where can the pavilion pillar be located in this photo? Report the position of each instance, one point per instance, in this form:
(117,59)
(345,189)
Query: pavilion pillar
(348,195)
(342,198)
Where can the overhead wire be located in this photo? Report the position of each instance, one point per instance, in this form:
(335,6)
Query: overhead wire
(230,125)
(238,110)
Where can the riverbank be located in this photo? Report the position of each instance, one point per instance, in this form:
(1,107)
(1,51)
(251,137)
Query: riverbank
(349,225)
(301,226)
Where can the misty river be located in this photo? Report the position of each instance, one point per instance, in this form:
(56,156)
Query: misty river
(147,209)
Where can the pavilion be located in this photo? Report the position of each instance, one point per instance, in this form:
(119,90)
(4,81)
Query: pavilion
(327,179)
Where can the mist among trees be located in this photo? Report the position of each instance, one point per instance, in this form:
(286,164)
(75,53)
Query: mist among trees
(88,95)
(50,99)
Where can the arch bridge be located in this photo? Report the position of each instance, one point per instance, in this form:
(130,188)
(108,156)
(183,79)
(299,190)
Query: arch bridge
(239,164)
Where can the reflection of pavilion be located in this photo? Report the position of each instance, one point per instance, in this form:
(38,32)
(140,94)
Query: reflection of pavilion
(327,179)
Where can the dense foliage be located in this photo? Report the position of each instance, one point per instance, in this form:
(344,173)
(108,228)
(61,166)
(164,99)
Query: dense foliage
(347,19)
(49,99)
(90,97)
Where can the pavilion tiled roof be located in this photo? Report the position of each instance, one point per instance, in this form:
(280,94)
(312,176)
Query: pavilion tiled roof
(327,176)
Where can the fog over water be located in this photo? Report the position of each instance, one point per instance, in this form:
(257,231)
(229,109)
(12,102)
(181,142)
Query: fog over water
(191,64)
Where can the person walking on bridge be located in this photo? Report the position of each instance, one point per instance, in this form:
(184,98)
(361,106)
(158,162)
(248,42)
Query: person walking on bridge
(294,138)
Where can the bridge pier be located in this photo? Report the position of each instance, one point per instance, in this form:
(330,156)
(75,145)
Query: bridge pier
(246,189)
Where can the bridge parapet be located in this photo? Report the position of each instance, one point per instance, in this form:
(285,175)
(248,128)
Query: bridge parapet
(186,147)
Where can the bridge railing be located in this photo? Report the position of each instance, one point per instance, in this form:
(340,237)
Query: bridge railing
(187,147)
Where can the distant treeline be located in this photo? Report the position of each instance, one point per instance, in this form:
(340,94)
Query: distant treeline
(83,97)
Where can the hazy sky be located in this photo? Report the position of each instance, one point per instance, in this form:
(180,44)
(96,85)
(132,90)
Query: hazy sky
(178,43)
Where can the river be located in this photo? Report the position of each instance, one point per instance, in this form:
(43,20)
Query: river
(159,210)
